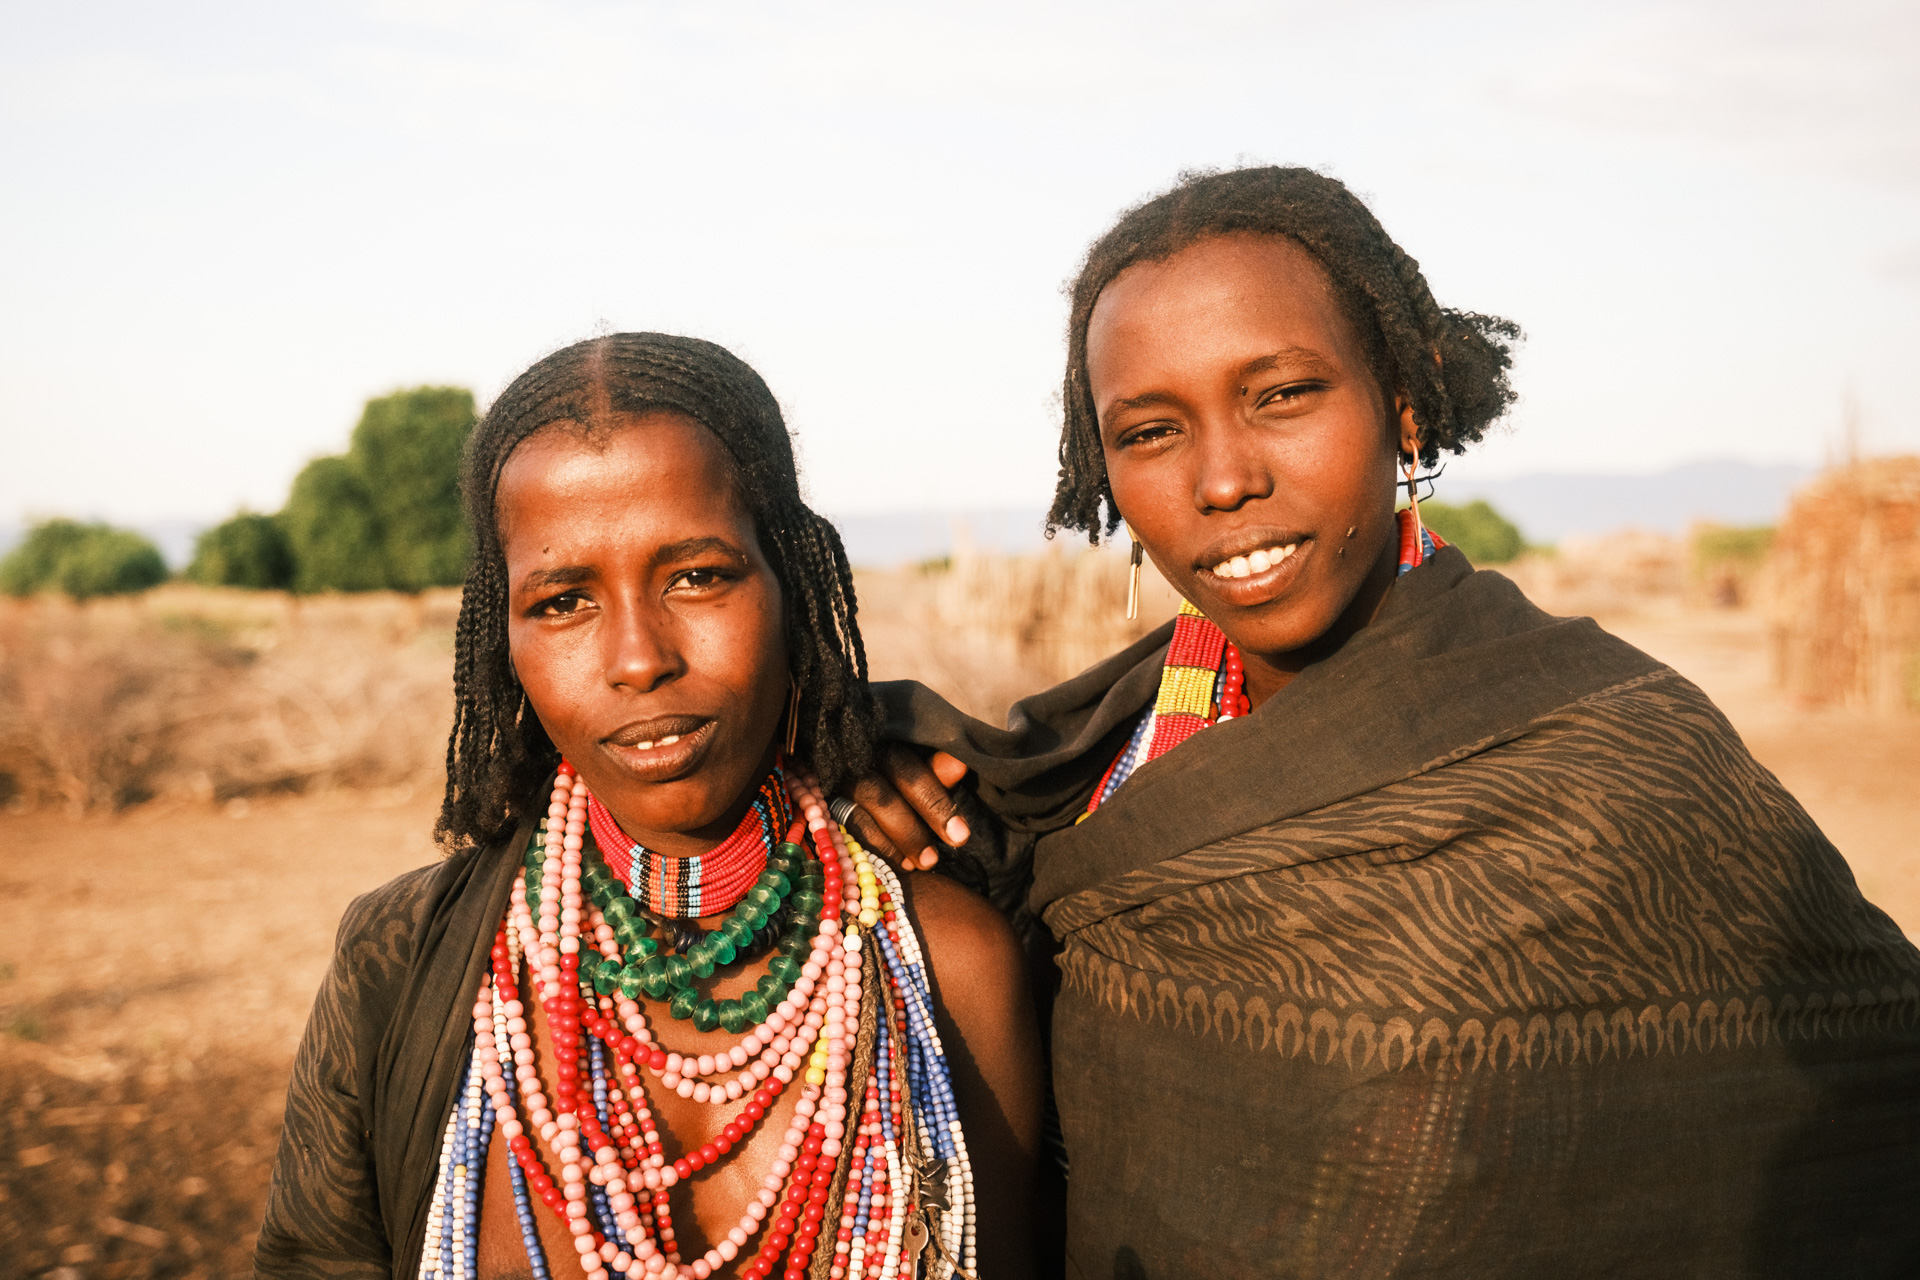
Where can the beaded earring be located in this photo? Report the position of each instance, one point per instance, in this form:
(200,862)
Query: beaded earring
(1133,576)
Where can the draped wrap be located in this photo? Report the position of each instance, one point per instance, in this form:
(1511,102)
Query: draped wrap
(1485,948)
(375,1075)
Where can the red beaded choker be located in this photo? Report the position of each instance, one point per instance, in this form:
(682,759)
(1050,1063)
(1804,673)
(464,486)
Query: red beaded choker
(704,885)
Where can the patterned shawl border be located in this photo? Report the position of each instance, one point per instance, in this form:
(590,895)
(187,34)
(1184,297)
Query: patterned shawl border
(1534,1039)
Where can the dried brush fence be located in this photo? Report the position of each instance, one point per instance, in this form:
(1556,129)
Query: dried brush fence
(195,693)
(1054,614)
(1844,587)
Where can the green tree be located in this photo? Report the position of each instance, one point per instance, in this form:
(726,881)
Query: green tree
(1483,535)
(386,513)
(83,560)
(332,529)
(406,452)
(246,551)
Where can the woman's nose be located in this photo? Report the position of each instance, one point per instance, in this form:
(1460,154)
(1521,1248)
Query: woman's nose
(642,652)
(1230,473)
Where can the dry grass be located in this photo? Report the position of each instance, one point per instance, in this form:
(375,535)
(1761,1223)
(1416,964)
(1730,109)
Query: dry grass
(1844,587)
(988,630)
(193,693)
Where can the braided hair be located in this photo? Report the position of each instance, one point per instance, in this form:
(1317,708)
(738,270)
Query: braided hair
(1451,365)
(498,751)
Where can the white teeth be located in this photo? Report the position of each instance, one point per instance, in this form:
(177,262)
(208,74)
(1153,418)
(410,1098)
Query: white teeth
(1254,561)
(667,741)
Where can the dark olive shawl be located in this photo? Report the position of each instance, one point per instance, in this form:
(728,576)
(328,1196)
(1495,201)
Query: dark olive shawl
(377,1068)
(1484,948)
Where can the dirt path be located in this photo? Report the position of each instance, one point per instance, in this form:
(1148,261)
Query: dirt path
(155,973)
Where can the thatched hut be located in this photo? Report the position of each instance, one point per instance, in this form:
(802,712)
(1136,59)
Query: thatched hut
(1845,587)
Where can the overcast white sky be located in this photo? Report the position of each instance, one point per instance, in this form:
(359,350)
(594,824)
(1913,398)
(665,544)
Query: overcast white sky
(226,225)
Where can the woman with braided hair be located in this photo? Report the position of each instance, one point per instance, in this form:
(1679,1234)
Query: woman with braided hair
(656,1014)
(1400,928)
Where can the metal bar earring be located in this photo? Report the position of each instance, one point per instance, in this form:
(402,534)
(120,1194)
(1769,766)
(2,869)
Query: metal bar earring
(1412,465)
(793,714)
(1133,577)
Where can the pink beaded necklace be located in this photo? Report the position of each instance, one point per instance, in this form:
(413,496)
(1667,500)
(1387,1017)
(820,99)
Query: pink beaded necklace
(617,1168)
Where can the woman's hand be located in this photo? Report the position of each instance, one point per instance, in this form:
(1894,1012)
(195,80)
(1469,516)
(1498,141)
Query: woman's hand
(905,802)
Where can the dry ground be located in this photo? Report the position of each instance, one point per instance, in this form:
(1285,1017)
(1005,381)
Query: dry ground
(155,968)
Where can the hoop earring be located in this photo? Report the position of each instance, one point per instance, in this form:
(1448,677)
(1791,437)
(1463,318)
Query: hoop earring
(1133,576)
(793,714)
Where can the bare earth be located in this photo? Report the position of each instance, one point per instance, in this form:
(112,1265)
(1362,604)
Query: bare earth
(155,968)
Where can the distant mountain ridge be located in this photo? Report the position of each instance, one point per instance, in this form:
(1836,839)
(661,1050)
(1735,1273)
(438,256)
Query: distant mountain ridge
(1548,507)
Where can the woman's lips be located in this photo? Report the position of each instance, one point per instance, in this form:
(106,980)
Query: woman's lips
(656,756)
(1259,560)
(1257,585)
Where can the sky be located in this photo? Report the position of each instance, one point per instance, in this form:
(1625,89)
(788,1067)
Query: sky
(227,225)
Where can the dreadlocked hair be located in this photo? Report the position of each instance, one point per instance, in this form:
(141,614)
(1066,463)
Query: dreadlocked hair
(498,751)
(1451,365)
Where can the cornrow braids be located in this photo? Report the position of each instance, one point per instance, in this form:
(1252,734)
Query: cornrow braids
(1451,365)
(498,751)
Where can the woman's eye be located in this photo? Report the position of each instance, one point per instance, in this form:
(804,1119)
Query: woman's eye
(1147,433)
(1289,395)
(697,579)
(567,602)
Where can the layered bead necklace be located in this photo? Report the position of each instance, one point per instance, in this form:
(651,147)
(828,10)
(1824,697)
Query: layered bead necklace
(588,1148)
(1203,680)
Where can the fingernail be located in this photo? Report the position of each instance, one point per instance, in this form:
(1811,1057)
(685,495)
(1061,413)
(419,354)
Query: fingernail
(928,857)
(957,832)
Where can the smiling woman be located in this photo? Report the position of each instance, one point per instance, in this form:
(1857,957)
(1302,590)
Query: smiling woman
(1401,928)
(656,1014)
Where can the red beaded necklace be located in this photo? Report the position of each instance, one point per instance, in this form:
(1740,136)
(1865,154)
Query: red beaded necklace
(707,884)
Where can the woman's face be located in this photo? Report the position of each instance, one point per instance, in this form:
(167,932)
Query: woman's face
(644,622)
(1248,443)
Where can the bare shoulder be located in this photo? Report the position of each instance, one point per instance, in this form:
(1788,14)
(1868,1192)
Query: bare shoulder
(965,937)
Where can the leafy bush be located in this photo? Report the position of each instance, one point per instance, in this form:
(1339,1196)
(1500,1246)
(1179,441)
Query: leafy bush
(386,513)
(406,452)
(1718,544)
(331,526)
(83,560)
(1483,535)
(246,551)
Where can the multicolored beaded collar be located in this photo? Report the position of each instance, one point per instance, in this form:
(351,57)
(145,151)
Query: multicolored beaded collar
(707,884)
(843,1017)
(1203,680)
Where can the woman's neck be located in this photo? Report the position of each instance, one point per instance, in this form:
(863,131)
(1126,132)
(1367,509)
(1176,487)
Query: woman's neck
(693,842)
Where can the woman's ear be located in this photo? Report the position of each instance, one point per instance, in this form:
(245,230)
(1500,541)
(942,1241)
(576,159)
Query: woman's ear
(1406,428)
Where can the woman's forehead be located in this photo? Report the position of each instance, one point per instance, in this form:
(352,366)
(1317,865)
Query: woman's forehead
(651,473)
(1217,300)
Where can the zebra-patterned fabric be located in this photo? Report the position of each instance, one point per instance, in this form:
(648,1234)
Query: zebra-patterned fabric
(1599,1000)
(377,1069)
(1483,949)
